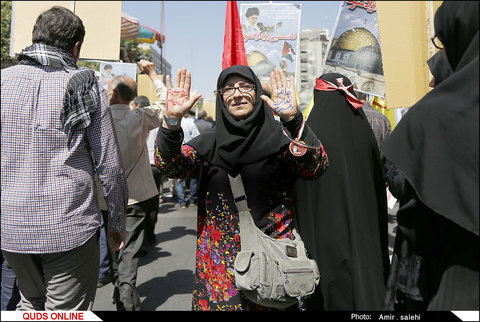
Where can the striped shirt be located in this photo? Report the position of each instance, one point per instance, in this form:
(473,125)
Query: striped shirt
(380,124)
(49,197)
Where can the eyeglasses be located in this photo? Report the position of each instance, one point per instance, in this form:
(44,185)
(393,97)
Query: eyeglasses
(436,42)
(243,88)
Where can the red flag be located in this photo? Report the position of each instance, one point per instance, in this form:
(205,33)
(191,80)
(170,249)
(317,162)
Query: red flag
(285,49)
(233,48)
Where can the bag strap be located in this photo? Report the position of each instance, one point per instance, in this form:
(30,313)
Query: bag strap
(247,225)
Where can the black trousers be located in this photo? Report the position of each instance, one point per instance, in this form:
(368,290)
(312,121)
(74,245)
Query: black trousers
(125,261)
(151,218)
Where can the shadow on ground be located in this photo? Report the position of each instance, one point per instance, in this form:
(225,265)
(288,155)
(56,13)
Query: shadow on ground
(159,289)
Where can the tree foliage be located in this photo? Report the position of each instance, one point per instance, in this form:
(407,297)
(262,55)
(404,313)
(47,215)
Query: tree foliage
(5,31)
(130,52)
(95,65)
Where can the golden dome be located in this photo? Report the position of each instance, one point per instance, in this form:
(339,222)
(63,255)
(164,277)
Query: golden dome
(356,38)
(255,57)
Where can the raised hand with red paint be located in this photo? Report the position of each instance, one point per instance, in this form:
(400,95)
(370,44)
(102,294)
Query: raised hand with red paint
(179,101)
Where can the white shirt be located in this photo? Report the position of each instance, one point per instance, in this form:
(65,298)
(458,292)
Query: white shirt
(189,128)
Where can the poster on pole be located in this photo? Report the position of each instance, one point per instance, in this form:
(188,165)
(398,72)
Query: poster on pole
(270,35)
(354,48)
(111,69)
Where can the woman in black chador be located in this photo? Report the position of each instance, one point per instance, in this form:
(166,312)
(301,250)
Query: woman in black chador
(342,216)
(435,145)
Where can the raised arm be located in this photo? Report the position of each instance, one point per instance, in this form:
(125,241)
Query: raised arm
(159,106)
(284,103)
(305,162)
(171,158)
(152,115)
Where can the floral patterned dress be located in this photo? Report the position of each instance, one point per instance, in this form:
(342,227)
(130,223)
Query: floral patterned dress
(268,186)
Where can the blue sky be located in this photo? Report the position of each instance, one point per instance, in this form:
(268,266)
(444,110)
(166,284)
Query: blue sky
(194,32)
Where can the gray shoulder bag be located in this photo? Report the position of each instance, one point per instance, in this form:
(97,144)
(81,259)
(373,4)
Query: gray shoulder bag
(270,272)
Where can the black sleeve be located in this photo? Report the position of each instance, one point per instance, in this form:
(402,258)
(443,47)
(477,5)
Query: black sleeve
(169,142)
(395,179)
(294,126)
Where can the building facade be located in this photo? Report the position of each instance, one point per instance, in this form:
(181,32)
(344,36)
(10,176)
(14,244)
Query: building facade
(162,66)
(312,46)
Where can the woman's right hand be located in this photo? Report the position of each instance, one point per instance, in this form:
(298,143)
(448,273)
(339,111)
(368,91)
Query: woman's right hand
(179,102)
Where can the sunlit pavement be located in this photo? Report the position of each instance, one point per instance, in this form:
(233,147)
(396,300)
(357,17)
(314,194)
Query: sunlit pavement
(165,273)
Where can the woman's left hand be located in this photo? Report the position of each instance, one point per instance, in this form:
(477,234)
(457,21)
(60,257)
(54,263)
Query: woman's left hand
(284,103)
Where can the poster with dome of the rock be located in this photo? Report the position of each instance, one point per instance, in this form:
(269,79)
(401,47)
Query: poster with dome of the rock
(270,36)
(354,48)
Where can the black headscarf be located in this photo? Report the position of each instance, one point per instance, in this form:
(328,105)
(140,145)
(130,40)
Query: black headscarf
(436,143)
(236,143)
(342,216)
(439,66)
(456,25)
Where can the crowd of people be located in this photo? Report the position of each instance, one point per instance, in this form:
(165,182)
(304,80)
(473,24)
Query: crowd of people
(83,170)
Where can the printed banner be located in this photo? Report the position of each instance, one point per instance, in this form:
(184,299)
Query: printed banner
(380,104)
(354,48)
(270,35)
(399,113)
(110,69)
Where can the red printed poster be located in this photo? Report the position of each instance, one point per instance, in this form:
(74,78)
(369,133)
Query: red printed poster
(270,35)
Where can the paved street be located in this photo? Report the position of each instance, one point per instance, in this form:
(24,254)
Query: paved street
(165,274)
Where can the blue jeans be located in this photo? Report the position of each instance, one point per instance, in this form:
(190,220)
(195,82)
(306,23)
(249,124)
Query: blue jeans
(180,189)
(10,293)
(104,269)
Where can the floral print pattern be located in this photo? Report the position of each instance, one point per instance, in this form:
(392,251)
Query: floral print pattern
(218,236)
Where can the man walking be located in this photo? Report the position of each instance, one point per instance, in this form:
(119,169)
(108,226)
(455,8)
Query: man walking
(151,219)
(132,128)
(202,124)
(57,132)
